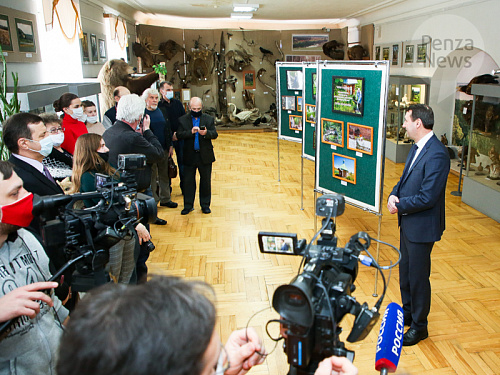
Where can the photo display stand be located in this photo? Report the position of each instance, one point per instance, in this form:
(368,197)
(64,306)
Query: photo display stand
(289,84)
(350,136)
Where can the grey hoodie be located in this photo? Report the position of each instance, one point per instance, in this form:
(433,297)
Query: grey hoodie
(31,346)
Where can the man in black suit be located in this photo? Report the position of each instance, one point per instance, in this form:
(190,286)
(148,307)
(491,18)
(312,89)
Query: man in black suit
(419,200)
(197,129)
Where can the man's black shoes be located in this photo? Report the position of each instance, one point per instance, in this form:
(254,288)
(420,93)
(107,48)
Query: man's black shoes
(186,211)
(169,204)
(206,210)
(160,221)
(413,337)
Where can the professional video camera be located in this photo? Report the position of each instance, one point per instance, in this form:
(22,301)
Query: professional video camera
(316,300)
(85,235)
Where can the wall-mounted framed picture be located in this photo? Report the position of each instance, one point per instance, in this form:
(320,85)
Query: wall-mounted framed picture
(294,79)
(348,95)
(395,54)
(93,47)
(344,168)
(186,95)
(309,42)
(5,36)
(360,138)
(310,113)
(302,58)
(377,53)
(332,132)
(288,103)
(248,79)
(295,122)
(385,53)
(421,53)
(299,103)
(409,53)
(177,94)
(25,35)
(102,49)
(84,43)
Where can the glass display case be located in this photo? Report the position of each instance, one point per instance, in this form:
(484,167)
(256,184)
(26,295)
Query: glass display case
(403,91)
(481,188)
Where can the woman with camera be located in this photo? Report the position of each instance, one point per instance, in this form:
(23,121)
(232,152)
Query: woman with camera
(90,157)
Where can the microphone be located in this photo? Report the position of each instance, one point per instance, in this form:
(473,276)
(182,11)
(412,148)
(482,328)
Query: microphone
(390,339)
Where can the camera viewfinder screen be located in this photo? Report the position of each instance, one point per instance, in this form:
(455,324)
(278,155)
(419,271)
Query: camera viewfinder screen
(275,244)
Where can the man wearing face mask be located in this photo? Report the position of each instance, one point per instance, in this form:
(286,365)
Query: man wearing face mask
(30,344)
(197,129)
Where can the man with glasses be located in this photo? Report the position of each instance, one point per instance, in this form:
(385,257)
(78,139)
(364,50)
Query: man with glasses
(59,162)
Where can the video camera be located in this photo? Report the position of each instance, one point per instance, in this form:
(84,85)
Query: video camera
(316,300)
(87,234)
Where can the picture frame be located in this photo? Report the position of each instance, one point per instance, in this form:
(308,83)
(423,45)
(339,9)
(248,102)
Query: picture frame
(5,35)
(409,53)
(309,42)
(294,80)
(102,49)
(310,113)
(94,52)
(295,122)
(332,132)
(385,53)
(186,95)
(422,53)
(348,95)
(360,138)
(84,43)
(288,103)
(302,58)
(377,53)
(395,54)
(177,94)
(25,35)
(299,103)
(314,85)
(344,168)
(248,79)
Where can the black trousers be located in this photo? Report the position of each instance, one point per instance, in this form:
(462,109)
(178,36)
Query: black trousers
(414,283)
(189,184)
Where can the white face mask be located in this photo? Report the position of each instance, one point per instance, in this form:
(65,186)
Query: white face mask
(46,145)
(78,114)
(92,119)
(57,139)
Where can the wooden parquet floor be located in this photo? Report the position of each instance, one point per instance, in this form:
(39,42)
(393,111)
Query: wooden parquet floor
(247,197)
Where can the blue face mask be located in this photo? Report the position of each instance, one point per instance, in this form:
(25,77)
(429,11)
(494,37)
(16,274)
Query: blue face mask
(169,95)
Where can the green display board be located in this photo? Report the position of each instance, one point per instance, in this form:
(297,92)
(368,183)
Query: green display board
(289,83)
(350,132)
(309,95)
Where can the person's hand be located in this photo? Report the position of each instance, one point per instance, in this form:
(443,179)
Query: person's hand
(25,300)
(243,354)
(146,122)
(195,129)
(170,151)
(391,204)
(336,366)
(142,233)
(203,132)
(174,137)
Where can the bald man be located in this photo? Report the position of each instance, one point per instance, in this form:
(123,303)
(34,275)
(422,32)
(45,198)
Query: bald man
(197,129)
(109,117)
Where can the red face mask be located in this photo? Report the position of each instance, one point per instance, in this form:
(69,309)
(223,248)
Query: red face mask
(19,212)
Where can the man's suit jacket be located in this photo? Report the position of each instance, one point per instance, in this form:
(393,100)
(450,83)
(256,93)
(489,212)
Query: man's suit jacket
(206,147)
(421,193)
(34,181)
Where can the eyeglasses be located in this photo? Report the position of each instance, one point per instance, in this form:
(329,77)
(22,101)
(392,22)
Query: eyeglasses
(56,130)
(223,363)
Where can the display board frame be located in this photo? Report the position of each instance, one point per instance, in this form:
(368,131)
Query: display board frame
(363,186)
(308,98)
(285,132)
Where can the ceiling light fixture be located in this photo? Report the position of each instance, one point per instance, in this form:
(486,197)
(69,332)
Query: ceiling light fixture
(245,7)
(242,15)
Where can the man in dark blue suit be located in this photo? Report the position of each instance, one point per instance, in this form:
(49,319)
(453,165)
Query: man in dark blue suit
(419,200)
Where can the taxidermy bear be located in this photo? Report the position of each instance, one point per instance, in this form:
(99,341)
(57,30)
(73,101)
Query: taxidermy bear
(118,73)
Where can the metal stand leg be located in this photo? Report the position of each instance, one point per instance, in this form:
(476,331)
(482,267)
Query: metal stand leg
(315,218)
(279,176)
(378,255)
(302,186)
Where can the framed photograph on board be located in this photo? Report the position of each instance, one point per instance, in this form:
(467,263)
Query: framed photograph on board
(93,47)
(385,53)
(344,168)
(360,138)
(102,49)
(295,122)
(5,37)
(348,95)
(409,53)
(25,35)
(309,42)
(84,42)
(395,54)
(288,103)
(249,79)
(332,132)
(310,113)
(299,103)
(294,79)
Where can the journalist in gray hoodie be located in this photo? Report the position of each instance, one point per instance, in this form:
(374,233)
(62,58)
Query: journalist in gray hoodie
(29,345)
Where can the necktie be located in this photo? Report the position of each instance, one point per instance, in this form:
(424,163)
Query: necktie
(47,174)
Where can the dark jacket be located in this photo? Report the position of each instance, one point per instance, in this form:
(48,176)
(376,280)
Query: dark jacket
(173,111)
(34,181)
(122,139)
(206,147)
